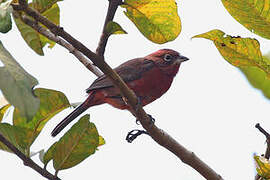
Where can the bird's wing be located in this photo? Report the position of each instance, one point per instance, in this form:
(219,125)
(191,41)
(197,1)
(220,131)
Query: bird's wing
(128,71)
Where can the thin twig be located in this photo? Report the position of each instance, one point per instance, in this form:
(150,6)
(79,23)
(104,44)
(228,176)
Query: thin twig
(258,126)
(63,43)
(267,151)
(157,134)
(113,5)
(267,136)
(27,161)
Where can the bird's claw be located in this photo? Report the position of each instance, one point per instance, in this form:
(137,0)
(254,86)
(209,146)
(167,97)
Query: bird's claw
(152,120)
(134,134)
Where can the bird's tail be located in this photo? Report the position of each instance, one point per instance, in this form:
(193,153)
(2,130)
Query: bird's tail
(79,110)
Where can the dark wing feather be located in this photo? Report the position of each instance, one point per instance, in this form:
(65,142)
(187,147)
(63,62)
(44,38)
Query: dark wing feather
(128,71)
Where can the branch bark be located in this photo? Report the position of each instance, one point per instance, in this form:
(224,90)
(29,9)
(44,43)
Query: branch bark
(157,134)
(27,161)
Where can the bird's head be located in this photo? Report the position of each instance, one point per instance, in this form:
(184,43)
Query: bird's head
(167,60)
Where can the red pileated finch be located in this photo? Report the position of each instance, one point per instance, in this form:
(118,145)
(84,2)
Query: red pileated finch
(149,77)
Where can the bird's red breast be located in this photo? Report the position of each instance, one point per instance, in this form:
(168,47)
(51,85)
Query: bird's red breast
(149,77)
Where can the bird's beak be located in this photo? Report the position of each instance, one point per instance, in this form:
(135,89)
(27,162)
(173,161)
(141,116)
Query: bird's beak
(181,59)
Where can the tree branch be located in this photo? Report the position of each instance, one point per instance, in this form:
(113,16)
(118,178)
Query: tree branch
(27,161)
(157,134)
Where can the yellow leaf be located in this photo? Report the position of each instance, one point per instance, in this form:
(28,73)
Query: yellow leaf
(240,52)
(101,141)
(254,15)
(3,111)
(157,20)
(262,166)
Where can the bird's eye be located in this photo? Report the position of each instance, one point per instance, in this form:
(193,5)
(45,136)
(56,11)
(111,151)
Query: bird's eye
(168,57)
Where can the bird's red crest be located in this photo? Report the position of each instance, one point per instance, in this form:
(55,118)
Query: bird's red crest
(161,52)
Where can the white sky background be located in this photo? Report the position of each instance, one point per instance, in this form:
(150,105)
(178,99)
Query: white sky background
(210,108)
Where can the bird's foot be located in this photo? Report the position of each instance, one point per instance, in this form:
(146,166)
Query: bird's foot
(134,134)
(152,120)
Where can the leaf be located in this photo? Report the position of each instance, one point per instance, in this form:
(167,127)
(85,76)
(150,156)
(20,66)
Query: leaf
(101,141)
(30,36)
(41,154)
(36,41)
(258,79)
(51,103)
(114,28)
(43,5)
(16,85)
(157,20)
(254,15)
(5,23)
(77,144)
(49,154)
(240,52)
(262,166)
(3,110)
(16,135)
(52,14)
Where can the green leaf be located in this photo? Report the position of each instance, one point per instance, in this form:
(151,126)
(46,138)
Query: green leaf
(51,103)
(77,144)
(258,78)
(114,28)
(262,166)
(254,15)
(36,41)
(43,5)
(52,14)
(5,23)
(16,85)
(5,19)
(49,154)
(157,20)
(3,110)
(30,36)
(41,154)
(16,135)
(240,52)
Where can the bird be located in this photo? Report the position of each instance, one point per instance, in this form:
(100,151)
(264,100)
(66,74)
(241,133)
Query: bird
(149,77)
